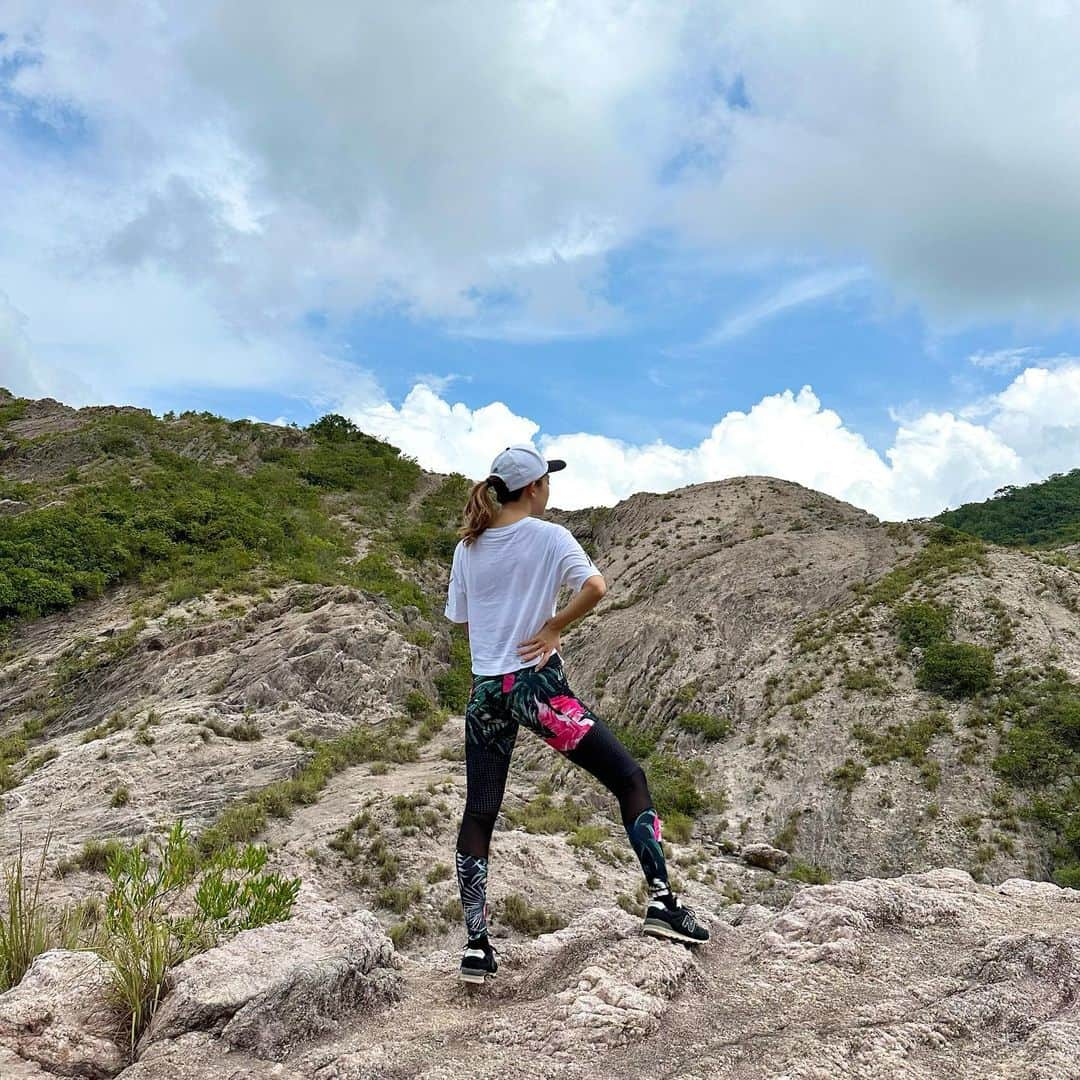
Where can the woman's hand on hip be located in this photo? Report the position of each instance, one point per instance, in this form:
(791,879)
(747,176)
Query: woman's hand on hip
(542,645)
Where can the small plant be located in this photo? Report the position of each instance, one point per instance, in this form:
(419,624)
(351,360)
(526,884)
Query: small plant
(120,796)
(398,898)
(142,940)
(415,926)
(27,928)
(807,690)
(517,913)
(418,704)
(865,678)
(414,812)
(673,784)
(541,815)
(710,728)
(848,776)
(808,873)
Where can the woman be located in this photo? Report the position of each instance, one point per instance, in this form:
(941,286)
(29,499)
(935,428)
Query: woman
(507,571)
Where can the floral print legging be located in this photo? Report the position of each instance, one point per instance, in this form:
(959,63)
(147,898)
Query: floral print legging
(542,701)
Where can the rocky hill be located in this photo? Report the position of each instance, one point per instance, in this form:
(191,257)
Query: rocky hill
(240,626)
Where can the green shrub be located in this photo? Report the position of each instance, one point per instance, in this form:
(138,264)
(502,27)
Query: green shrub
(346,459)
(849,775)
(865,678)
(454,686)
(1040,711)
(921,623)
(142,940)
(1068,877)
(96,854)
(710,728)
(677,826)
(807,872)
(415,926)
(673,785)
(413,811)
(640,740)
(516,912)
(11,408)
(590,837)
(418,704)
(399,898)
(542,815)
(956,669)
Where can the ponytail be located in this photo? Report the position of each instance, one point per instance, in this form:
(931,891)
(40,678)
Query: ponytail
(484,501)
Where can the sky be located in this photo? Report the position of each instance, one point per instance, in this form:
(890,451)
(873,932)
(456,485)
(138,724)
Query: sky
(670,242)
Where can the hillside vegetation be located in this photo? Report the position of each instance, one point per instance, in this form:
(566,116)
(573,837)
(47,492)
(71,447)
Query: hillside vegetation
(1046,514)
(195,502)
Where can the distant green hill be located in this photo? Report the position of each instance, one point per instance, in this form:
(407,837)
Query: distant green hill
(1040,515)
(189,503)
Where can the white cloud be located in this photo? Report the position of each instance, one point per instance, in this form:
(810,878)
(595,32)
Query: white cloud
(934,141)
(431,429)
(1032,428)
(1003,359)
(804,290)
(441,383)
(367,152)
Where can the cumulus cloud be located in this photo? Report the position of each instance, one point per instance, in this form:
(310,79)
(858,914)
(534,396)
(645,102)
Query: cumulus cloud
(1030,429)
(367,153)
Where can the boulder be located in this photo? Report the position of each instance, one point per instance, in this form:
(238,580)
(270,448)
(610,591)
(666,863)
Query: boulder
(613,995)
(765,856)
(60,1017)
(271,987)
(198,1056)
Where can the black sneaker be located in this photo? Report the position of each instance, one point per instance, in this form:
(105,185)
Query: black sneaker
(667,918)
(477,961)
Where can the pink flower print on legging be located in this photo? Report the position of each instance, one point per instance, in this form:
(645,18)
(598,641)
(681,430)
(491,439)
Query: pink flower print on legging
(566,719)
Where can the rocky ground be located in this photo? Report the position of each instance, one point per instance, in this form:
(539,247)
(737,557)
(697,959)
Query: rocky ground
(924,976)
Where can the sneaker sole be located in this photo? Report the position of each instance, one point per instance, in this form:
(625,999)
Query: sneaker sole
(660,929)
(479,977)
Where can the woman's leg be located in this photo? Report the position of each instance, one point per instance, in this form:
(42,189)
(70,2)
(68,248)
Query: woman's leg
(489,742)
(543,701)
(601,754)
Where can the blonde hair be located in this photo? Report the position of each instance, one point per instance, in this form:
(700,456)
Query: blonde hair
(484,501)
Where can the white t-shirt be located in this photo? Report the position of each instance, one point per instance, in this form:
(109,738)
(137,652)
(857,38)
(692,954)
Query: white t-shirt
(505,585)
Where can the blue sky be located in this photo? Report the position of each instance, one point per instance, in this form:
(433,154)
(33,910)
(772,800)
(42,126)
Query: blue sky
(671,242)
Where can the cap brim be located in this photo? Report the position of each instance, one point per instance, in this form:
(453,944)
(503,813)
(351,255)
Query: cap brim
(556,465)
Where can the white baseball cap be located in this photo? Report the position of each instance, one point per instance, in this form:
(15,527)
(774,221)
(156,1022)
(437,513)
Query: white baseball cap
(522,463)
